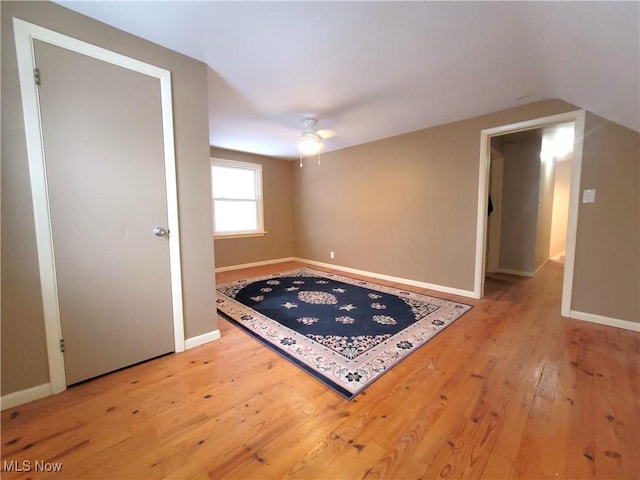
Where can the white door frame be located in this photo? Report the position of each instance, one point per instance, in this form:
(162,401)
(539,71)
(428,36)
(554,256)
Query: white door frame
(578,117)
(25,33)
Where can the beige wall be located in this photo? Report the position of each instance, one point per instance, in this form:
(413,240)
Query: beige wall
(277,186)
(404,206)
(520,195)
(607,267)
(496,171)
(24,358)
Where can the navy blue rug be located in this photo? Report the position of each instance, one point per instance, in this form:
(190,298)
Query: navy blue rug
(345,332)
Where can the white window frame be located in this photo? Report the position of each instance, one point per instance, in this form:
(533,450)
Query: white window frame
(257,171)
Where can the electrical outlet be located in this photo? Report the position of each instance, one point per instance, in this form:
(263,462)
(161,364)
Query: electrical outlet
(332,255)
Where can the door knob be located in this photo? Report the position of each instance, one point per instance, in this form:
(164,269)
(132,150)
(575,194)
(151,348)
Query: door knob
(160,232)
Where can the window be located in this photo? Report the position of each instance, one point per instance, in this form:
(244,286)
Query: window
(237,198)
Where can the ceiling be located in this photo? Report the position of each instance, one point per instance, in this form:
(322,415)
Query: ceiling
(370,70)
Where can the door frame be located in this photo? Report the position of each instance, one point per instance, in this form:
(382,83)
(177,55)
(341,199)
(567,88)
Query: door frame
(25,33)
(576,116)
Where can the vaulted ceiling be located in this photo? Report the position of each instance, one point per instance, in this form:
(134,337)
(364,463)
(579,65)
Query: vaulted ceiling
(370,70)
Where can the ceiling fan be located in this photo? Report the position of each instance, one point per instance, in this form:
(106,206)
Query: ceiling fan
(310,142)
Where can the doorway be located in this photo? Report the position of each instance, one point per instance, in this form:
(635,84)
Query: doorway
(577,117)
(529,179)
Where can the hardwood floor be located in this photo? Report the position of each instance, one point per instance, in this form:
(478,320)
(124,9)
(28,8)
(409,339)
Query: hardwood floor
(510,390)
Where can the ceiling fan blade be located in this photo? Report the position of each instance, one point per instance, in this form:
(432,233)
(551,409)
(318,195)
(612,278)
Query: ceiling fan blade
(326,133)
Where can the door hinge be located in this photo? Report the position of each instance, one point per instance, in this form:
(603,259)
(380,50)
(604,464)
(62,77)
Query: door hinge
(36,75)
(62,345)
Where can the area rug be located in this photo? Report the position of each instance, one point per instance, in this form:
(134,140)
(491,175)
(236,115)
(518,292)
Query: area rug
(345,332)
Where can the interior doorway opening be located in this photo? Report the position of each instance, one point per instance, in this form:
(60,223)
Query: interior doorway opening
(577,118)
(529,181)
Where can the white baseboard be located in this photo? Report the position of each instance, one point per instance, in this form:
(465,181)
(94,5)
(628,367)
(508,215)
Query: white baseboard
(406,281)
(254,264)
(25,396)
(194,342)
(520,273)
(523,273)
(608,321)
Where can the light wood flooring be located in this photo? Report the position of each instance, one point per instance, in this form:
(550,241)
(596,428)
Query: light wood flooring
(510,390)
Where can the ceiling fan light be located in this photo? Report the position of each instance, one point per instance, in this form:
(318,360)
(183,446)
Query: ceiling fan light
(309,144)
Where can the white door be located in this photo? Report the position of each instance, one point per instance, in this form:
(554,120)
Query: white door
(104,160)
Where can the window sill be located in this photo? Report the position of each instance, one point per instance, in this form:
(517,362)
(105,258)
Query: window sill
(217,236)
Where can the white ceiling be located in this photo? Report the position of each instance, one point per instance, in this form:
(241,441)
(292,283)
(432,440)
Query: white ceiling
(370,70)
